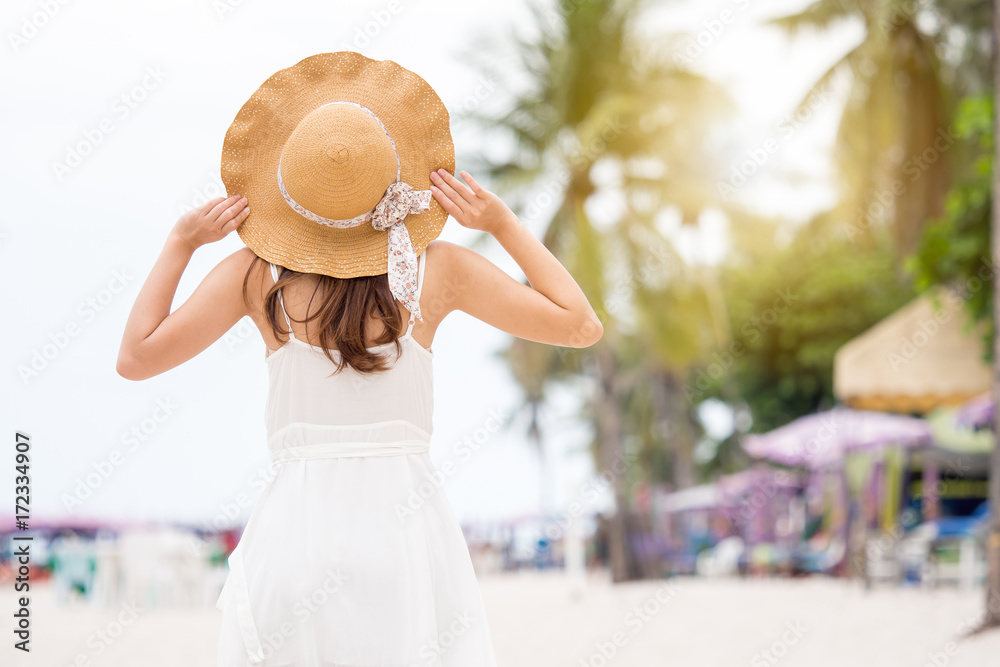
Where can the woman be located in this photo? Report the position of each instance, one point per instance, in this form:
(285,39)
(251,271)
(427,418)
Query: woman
(350,556)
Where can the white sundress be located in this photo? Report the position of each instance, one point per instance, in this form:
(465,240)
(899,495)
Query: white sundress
(352,556)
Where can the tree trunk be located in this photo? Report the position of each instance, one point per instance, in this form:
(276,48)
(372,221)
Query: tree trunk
(993,534)
(683,432)
(545,482)
(612,460)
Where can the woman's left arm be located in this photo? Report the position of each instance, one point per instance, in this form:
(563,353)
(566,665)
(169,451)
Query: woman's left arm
(156,340)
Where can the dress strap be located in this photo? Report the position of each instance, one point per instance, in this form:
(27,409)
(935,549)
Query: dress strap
(420,283)
(281,301)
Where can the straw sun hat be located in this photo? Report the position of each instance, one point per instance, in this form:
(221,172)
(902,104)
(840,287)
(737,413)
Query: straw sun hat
(334,156)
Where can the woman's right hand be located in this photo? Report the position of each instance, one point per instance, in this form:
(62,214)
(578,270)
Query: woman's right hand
(212,221)
(550,309)
(475,208)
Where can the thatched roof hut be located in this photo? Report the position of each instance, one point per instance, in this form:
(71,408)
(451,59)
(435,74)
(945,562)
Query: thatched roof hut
(923,356)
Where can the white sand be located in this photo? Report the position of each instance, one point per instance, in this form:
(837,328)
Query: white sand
(536,621)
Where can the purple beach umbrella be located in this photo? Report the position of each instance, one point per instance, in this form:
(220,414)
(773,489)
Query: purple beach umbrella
(820,439)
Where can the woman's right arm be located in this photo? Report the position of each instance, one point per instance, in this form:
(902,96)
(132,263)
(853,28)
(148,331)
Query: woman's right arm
(552,310)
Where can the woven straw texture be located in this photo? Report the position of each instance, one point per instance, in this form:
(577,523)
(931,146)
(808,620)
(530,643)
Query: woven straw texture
(341,173)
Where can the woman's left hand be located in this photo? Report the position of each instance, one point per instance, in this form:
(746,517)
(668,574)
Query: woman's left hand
(211,221)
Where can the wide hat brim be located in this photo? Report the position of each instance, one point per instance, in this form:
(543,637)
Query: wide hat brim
(413,115)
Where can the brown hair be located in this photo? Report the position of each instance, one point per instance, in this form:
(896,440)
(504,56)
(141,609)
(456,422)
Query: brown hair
(346,306)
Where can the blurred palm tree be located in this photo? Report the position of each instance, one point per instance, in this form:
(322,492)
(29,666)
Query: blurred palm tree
(894,146)
(607,136)
(915,61)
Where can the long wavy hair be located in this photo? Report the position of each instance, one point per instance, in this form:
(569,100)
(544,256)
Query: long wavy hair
(347,308)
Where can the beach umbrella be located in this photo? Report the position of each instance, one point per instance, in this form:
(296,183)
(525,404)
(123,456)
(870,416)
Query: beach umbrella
(821,439)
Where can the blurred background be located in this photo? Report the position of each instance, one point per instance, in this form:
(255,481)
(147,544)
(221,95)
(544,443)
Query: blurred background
(782,450)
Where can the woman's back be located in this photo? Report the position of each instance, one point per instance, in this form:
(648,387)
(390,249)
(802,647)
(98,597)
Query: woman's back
(350,450)
(310,406)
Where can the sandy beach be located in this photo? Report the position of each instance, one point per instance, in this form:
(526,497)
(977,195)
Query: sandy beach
(543,619)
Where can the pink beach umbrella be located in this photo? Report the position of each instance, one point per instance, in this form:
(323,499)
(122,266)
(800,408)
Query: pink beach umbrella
(821,439)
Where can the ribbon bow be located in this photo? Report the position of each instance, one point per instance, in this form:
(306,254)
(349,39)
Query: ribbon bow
(399,201)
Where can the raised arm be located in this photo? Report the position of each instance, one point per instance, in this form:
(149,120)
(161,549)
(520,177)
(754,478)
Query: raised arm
(552,310)
(156,340)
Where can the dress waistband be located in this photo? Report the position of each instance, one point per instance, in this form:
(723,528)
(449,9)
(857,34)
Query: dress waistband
(339,450)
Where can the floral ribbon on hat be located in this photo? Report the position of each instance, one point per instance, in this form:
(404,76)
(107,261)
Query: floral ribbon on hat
(399,201)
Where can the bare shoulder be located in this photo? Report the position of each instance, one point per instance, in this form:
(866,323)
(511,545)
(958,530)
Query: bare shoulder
(451,259)
(449,267)
(441,252)
(242,267)
(458,278)
(435,302)
(240,261)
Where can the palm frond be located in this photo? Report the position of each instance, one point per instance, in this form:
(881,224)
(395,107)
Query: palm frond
(820,15)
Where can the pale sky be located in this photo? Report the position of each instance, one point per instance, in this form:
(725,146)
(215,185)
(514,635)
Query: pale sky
(77,243)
